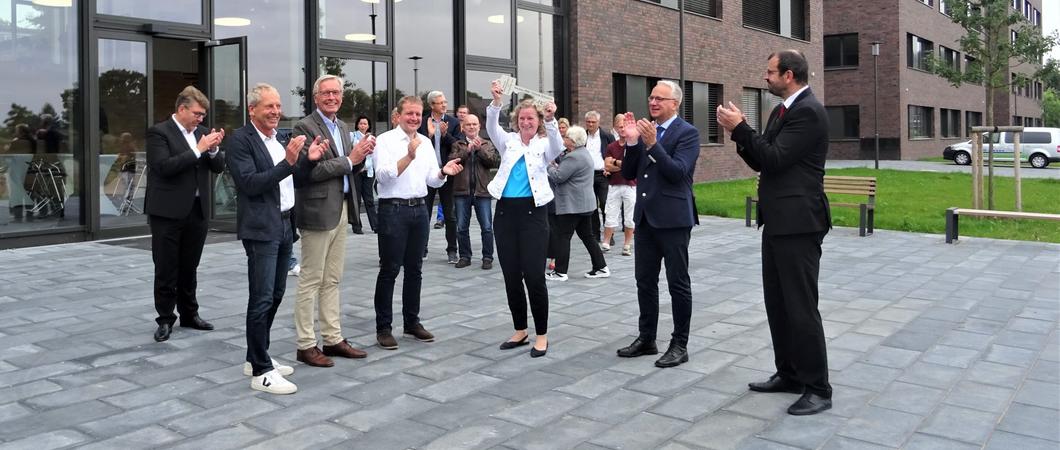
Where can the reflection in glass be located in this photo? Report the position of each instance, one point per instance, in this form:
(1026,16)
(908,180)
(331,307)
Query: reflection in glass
(479,96)
(353,20)
(489,28)
(122,125)
(429,35)
(228,112)
(364,91)
(536,65)
(183,11)
(275,48)
(39,176)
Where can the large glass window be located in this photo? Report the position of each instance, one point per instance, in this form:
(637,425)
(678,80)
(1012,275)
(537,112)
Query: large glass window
(783,17)
(700,107)
(841,50)
(917,50)
(354,21)
(479,95)
(950,121)
(39,175)
(488,29)
(844,122)
(536,40)
(183,11)
(364,91)
(921,122)
(423,55)
(275,31)
(122,122)
(972,119)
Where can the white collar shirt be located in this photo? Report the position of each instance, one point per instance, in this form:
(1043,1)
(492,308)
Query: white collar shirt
(189,136)
(421,172)
(278,153)
(788,101)
(539,152)
(592,143)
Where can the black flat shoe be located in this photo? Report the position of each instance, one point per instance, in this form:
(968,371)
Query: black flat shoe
(162,333)
(508,345)
(676,355)
(535,353)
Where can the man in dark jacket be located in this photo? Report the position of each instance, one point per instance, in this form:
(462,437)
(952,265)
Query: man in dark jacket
(469,190)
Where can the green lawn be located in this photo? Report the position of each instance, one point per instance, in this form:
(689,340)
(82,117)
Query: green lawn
(916,201)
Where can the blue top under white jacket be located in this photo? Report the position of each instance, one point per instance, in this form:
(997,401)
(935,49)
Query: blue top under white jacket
(537,156)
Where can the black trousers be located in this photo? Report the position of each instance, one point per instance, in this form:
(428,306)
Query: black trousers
(366,190)
(402,234)
(653,246)
(566,226)
(790,268)
(176,247)
(445,195)
(521,229)
(600,186)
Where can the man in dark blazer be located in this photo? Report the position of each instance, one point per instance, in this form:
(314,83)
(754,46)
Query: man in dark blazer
(180,156)
(661,156)
(324,204)
(792,206)
(263,171)
(597,143)
(442,130)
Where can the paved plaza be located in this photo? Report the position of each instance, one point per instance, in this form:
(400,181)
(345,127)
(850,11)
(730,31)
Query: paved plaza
(930,346)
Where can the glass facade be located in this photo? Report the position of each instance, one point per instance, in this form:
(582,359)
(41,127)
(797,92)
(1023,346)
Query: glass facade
(123,121)
(423,57)
(181,11)
(488,29)
(353,21)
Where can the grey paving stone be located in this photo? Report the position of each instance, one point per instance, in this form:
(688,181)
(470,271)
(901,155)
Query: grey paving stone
(564,433)
(597,384)
(47,441)
(1032,421)
(802,432)
(722,430)
(1038,393)
(154,394)
(233,437)
(26,375)
(313,437)
(926,442)
(912,340)
(54,419)
(222,416)
(528,385)
(856,341)
(303,415)
(909,398)
(983,397)
(961,424)
(138,418)
(1013,356)
(456,387)
(484,434)
(383,389)
(398,435)
(81,394)
(1002,440)
(891,357)
(469,409)
(143,438)
(616,407)
(644,430)
(931,375)
(666,381)
(866,376)
(693,404)
(369,418)
(994,373)
(881,426)
(541,410)
(12,411)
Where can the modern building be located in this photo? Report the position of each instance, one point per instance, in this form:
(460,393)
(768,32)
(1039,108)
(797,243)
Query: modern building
(919,113)
(84,79)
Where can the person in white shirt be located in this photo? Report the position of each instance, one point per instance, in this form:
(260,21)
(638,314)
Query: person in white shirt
(405,165)
(597,142)
(520,224)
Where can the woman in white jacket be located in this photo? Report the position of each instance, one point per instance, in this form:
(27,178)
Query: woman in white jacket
(520,224)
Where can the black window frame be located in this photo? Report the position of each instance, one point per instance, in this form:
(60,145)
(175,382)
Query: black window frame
(845,41)
(928,116)
(847,129)
(918,60)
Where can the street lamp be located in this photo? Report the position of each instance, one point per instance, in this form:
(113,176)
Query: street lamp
(876,99)
(415,74)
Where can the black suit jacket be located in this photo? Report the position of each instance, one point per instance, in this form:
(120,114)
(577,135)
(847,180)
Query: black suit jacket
(664,177)
(790,156)
(450,137)
(257,182)
(175,172)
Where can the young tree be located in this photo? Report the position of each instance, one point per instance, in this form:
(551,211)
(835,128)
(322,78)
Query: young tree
(1000,41)
(1051,108)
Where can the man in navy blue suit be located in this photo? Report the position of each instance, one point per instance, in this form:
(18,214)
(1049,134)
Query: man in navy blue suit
(263,171)
(661,155)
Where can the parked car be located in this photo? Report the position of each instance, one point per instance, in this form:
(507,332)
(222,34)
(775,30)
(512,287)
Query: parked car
(1038,147)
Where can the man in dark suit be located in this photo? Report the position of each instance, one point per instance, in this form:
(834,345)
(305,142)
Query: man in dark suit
(661,156)
(792,206)
(442,130)
(597,143)
(263,171)
(324,204)
(180,156)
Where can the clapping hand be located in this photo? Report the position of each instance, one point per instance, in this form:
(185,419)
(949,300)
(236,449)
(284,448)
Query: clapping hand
(729,117)
(632,135)
(211,140)
(452,167)
(647,132)
(294,146)
(414,143)
(317,148)
(363,148)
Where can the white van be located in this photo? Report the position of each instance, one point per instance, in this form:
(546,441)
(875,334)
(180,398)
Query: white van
(1038,147)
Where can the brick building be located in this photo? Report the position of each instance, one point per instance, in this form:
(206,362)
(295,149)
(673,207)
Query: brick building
(618,49)
(919,113)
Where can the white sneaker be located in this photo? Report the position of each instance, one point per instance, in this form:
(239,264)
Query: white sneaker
(627,251)
(297,269)
(273,383)
(602,273)
(248,370)
(605,246)
(555,276)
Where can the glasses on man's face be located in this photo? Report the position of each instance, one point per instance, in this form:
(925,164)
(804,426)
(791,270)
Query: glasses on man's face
(198,114)
(655,99)
(332,93)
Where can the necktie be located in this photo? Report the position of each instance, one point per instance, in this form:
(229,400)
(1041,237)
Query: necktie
(780,114)
(659,132)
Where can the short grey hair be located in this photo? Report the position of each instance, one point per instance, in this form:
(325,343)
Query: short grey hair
(254,96)
(592,114)
(433,95)
(675,89)
(323,78)
(578,135)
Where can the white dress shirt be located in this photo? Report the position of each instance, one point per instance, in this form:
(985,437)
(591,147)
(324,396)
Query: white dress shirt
(189,136)
(278,153)
(592,143)
(421,172)
(538,154)
(788,101)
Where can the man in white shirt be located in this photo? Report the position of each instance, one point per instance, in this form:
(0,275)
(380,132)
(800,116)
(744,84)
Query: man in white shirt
(597,142)
(405,166)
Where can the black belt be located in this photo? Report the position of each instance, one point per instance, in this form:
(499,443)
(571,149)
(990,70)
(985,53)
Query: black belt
(418,201)
(285,214)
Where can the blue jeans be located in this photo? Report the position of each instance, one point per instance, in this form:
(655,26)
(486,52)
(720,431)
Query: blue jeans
(402,232)
(483,206)
(267,275)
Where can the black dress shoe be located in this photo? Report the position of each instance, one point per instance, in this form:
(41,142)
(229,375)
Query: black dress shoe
(197,323)
(809,404)
(162,333)
(508,345)
(535,353)
(639,347)
(674,356)
(776,383)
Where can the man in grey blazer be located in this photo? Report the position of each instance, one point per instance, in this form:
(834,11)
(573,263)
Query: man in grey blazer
(324,196)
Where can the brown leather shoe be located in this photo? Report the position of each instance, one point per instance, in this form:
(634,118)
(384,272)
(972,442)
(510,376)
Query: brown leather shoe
(386,340)
(344,349)
(421,334)
(312,356)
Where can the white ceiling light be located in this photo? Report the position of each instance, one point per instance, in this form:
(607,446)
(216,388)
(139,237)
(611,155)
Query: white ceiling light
(360,37)
(499,18)
(54,3)
(231,21)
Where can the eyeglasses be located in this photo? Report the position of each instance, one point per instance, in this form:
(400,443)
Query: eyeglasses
(200,115)
(659,99)
(332,93)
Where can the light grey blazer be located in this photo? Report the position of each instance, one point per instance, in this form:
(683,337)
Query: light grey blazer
(318,199)
(573,181)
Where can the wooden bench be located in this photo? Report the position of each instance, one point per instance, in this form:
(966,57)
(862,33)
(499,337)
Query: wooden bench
(952,214)
(834,184)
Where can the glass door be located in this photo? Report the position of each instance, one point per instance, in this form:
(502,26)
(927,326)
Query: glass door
(226,60)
